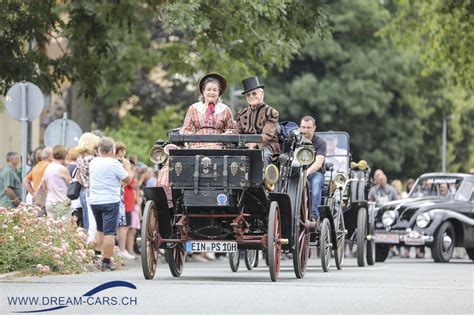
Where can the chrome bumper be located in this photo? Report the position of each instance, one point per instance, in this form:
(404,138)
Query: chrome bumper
(406,238)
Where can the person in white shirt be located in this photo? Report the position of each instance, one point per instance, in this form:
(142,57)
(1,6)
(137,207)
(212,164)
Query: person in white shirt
(106,178)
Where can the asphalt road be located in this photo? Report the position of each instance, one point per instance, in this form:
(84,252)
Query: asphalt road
(408,286)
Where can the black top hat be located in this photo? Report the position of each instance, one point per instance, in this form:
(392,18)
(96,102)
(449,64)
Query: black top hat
(218,77)
(251,84)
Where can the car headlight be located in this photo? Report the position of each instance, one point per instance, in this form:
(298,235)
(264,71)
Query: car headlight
(305,156)
(340,179)
(423,220)
(388,218)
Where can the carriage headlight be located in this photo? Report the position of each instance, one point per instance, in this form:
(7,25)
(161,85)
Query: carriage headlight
(272,174)
(305,156)
(423,220)
(388,218)
(340,179)
(157,154)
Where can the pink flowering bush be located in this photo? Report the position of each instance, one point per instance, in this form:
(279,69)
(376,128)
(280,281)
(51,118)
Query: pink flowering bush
(40,244)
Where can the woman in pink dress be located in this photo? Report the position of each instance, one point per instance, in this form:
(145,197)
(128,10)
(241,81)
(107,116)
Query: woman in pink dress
(209,116)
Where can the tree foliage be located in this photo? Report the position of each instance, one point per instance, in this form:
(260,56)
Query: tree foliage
(442,32)
(139,135)
(363,84)
(239,37)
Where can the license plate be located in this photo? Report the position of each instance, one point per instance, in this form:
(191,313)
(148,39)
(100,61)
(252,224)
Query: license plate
(414,241)
(211,247)
(387,238)
(414,238)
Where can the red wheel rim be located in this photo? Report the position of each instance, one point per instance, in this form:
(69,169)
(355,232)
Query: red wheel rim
(277,247)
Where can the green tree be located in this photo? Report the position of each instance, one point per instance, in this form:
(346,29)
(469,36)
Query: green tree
(442,32)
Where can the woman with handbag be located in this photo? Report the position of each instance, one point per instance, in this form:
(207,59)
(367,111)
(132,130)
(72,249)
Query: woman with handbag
(88,144)
(74,188)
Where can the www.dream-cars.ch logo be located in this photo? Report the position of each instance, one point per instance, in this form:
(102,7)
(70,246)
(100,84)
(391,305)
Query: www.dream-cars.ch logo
(54,303)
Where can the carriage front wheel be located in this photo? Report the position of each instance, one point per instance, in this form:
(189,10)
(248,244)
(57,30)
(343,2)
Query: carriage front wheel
(325,245)
(149,248)
(175,257)
(234,261)
(250,258)
(340,241)
(273,241)
(301,252)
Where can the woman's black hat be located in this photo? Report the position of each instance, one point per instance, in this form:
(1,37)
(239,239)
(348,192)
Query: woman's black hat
(222,82)
(250,84)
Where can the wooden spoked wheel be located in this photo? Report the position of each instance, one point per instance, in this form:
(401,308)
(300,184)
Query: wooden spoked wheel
(301,253)
(273,241)
(149,248)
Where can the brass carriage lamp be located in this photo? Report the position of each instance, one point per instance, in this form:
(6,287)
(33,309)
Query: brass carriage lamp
(157,154)
(361,165)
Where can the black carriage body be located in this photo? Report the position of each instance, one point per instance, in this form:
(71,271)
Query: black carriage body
(200,169)
(226,169)
(213,186)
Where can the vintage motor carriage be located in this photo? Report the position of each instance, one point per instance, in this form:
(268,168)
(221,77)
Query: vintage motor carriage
(346,193)
(225,200)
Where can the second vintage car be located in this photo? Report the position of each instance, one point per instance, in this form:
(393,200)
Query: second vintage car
(438,213)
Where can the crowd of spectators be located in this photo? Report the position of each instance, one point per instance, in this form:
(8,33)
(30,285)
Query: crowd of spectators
(110,203)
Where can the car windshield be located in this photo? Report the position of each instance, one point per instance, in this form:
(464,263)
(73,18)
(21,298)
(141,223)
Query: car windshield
(436,186)
(337,150)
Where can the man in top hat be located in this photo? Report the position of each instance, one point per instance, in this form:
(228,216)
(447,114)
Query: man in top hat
(259,118)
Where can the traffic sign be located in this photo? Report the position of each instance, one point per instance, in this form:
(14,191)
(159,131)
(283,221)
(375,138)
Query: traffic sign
(24,102)
(33,97)
(62,131)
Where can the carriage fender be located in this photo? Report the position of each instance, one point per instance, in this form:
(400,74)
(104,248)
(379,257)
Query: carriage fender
(325,212)
(158,195)
(284,203)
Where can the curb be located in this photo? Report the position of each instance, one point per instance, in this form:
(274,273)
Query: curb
(9,274)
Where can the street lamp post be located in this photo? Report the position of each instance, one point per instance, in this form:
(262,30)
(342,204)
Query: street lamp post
(445,127)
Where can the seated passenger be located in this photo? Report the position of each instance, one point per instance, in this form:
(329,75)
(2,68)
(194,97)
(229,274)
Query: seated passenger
(336,155)
(443,190)
(259,118)
(209,116)
(315,170)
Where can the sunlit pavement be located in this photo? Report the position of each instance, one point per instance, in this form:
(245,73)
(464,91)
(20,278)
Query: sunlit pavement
(409,286)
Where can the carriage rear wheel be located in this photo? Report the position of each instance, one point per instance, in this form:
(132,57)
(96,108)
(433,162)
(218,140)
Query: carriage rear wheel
(234,261)
(301,253)
(273,241)
(175,257)
(325,244)
(371,244)
(250,258)
(361,237)
(149,248)
(340,241)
